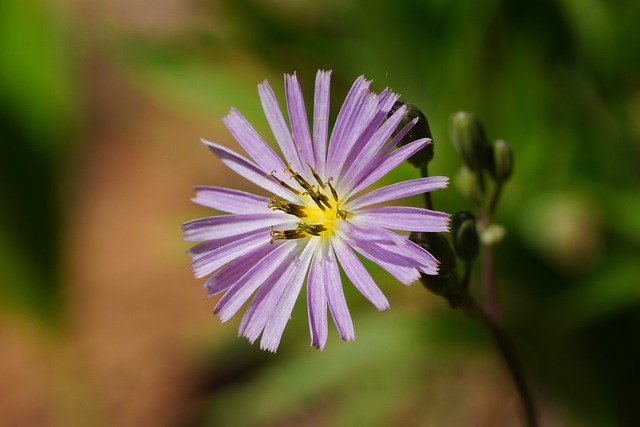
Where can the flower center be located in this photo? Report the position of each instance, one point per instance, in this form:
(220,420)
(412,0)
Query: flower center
(320,216)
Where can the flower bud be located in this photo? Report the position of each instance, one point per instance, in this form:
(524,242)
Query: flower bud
(465,236)
(469,139)
(467,183)
(418,131)
(445,283)
(501,161)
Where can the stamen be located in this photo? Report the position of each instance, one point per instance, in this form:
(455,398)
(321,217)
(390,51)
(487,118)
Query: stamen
(313,229)
(316,176)
(284,184)
(278,203)
(295,175)
(285,234)
(334,193)
(302,230)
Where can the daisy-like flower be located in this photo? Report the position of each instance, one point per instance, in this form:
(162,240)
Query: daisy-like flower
(317,217)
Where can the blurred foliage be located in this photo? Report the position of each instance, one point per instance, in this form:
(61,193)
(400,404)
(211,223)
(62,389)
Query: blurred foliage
(558,79)
(38,108)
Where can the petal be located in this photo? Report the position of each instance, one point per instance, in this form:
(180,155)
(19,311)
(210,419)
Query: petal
(265,300)
(347,145)
(353,227)
(252,143)
(342,129)
(361,168)
(358,275)
(381,166)
(221,226)
(370,147)
(317,301)
(255,275)
(321,119)
(298,119)
(335,295)
(404,218)
(229,200)
(224,278)
(247,169)
(278,125)
(391,241)
(401,267)
(274,328)
(398,191)
(208,262)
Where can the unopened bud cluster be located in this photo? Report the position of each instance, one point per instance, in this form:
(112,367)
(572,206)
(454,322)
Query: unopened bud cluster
(478,155)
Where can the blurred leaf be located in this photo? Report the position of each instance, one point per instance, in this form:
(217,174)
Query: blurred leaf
(37,115)
(393,348)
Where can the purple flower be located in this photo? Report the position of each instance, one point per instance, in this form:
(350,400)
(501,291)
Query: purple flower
(317,217)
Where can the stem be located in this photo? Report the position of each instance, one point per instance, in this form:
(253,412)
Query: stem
(509,356)
(494,199)
(489,283)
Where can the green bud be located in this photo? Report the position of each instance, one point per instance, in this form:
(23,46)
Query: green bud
(418,131)
(465,236)
(502,161)
(467,183)
(469,139)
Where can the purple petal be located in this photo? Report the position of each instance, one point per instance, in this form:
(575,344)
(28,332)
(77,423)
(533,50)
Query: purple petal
(298,119)
(317,301)
(207,262)
(274,328)
(249,170)
(252,143)
(221,226)
(353,227)
(321,119)
(229,200)
(381,166)
(335,295)
(255,275)
(224,278)
(359,276)
(404,218)
(398,191)
(393,242)
(361,168)
(364,114)
(265,300)
(398,266)
(350,108)
(279,126)
(373,144)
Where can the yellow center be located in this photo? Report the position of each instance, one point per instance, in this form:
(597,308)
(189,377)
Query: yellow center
(319,216)
(329,218)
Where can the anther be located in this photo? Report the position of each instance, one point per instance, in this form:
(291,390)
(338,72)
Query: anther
(284,184)
(278,203)
(334,193)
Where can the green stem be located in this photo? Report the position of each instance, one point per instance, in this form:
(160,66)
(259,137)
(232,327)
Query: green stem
(494,199)
(509,356)
(489,283)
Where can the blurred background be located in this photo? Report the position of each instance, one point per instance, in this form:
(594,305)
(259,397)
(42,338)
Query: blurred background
(102,104)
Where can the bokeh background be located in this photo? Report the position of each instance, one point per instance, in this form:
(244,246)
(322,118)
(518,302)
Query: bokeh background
(102,104)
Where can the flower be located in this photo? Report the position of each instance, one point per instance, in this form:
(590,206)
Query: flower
(316,219)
